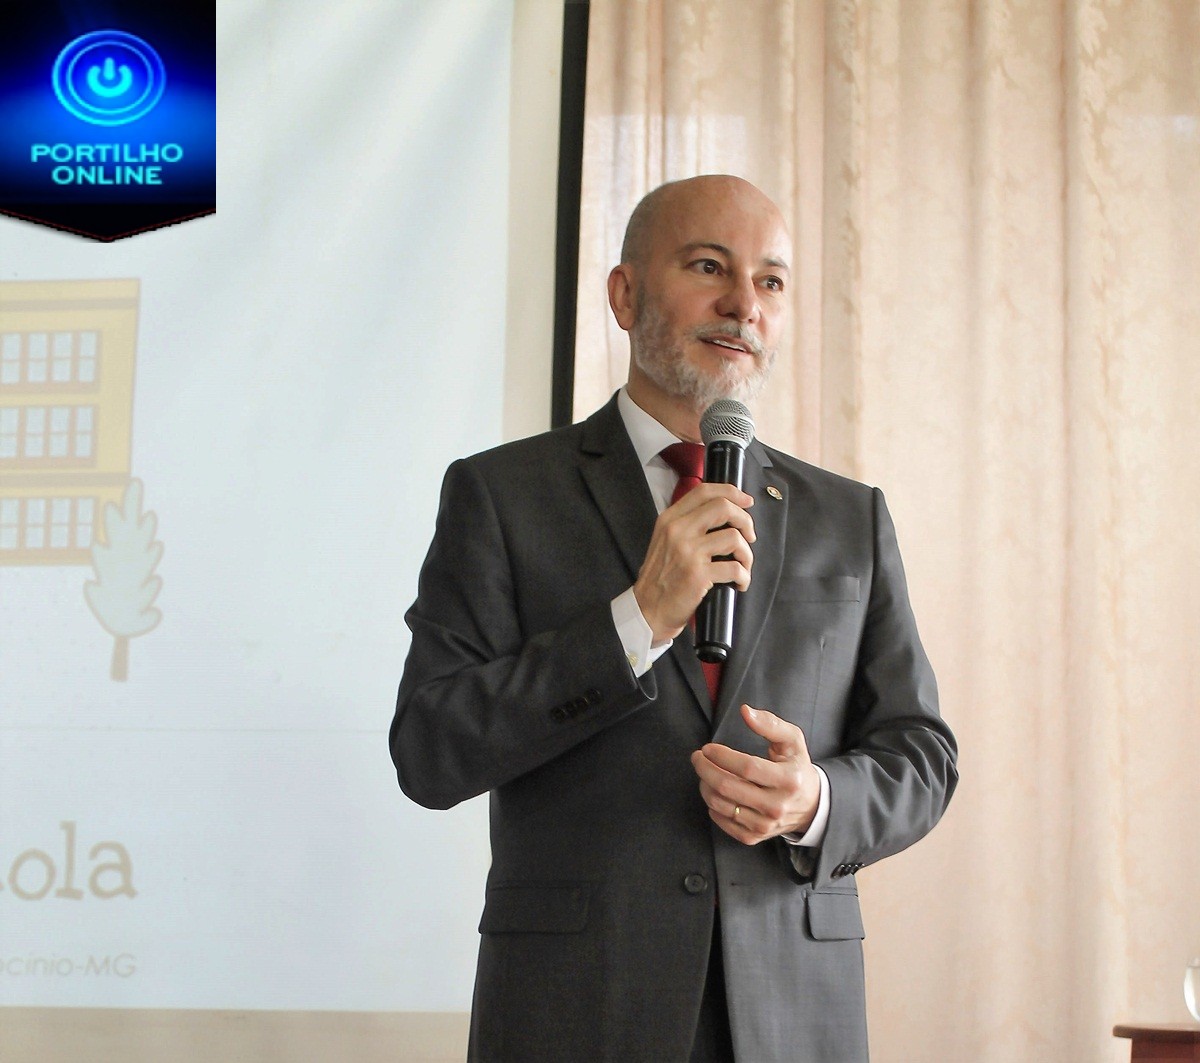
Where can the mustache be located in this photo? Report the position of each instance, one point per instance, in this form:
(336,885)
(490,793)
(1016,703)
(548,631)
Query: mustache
(731,332)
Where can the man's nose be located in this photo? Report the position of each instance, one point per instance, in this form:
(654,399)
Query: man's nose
(740,300)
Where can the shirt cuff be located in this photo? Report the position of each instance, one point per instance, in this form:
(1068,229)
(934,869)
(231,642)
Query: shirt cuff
(637,640)
(815,834)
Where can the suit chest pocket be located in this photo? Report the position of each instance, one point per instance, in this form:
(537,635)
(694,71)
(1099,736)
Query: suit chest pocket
(818,589)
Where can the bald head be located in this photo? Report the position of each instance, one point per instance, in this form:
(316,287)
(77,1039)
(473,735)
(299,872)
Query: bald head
(660,207)
(702,290)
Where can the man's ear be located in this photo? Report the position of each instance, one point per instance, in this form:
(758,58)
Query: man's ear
(622,295)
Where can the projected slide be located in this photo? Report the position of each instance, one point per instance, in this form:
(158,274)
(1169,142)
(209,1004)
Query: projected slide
(221,445)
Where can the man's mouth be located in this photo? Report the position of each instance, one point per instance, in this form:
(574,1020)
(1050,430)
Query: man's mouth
(729,343)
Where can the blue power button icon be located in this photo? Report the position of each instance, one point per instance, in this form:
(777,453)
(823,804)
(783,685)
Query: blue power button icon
(108,77)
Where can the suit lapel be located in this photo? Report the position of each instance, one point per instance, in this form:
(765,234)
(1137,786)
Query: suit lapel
(615,480)
(683,653)
(770,527)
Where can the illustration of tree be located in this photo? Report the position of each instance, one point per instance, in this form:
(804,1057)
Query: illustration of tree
(123,592)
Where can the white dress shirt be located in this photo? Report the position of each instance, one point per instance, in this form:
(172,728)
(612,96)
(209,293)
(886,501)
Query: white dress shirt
(649,440)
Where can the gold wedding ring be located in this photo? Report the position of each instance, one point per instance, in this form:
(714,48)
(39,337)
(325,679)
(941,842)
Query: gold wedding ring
(737,811)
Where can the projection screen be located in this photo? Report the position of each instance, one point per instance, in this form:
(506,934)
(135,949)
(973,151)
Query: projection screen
(256,409)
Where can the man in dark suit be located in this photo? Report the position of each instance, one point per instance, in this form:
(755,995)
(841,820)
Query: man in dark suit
(672,871)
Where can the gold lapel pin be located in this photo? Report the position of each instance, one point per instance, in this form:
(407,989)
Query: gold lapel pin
(775,493)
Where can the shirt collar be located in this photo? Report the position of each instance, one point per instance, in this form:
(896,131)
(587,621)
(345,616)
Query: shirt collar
(649,438)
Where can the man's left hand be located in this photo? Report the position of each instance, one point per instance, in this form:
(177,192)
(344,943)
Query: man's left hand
(752,799)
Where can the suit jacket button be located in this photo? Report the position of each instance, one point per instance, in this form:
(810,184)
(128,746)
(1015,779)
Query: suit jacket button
(559,713)
(592,696)
(695,883)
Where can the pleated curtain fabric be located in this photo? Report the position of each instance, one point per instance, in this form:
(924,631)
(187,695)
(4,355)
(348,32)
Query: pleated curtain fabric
(995,207)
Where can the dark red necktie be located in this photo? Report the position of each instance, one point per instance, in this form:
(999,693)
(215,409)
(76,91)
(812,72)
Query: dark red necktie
(687,459)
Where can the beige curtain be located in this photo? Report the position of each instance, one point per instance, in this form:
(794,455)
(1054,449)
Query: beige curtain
(996,207)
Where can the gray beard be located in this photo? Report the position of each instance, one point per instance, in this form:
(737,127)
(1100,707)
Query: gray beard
(667,366)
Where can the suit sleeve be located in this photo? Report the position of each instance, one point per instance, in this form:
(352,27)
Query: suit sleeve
(898,772)
(482,702)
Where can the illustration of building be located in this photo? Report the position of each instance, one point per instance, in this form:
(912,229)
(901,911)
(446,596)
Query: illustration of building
(67,355)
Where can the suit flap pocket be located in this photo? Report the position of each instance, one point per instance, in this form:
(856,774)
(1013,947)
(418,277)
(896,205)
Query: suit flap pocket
(834,916)
(535,909)
(819,588)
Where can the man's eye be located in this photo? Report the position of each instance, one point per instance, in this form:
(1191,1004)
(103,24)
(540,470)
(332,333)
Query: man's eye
(707,265)
(774,284)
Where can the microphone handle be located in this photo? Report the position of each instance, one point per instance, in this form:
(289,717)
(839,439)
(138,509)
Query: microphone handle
(724,463)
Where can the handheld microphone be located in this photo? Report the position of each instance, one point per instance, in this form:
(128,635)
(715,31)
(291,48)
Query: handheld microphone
(726,429)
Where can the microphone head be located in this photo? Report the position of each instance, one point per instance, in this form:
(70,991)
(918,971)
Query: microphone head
(727,420)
